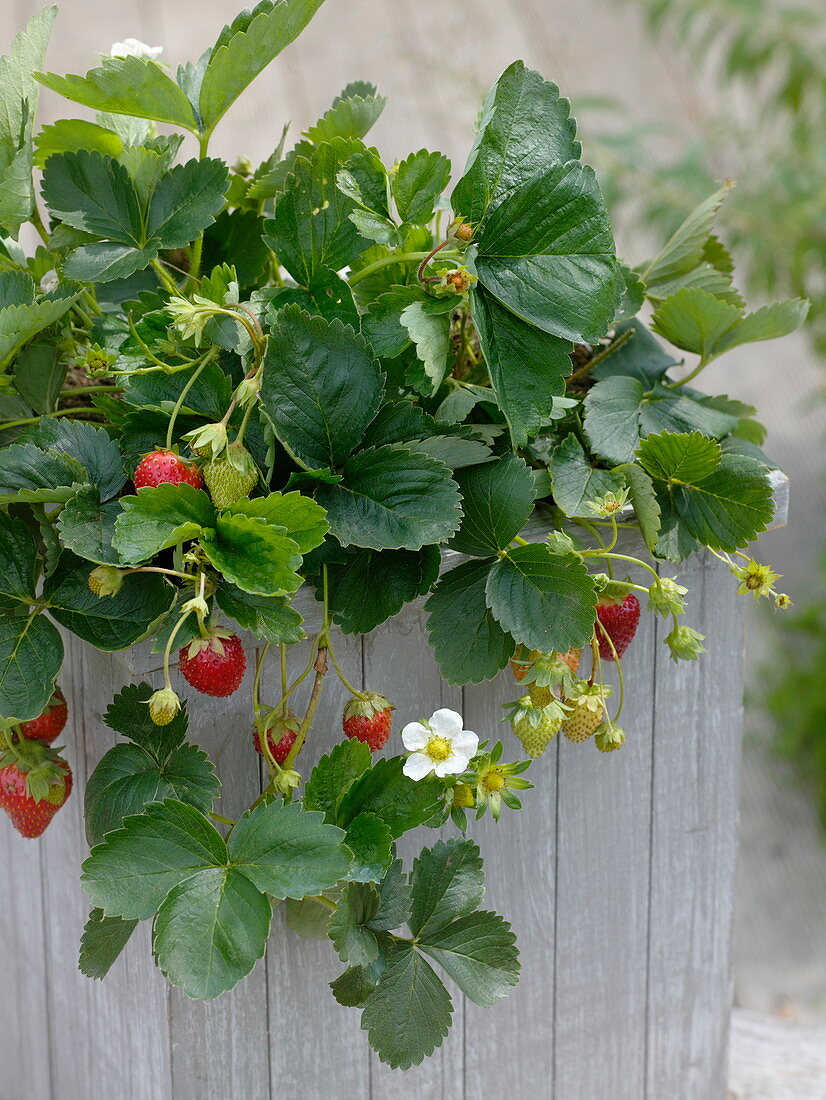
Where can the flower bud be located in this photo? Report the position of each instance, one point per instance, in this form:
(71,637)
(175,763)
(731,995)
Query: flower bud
(163,706)
(105,580)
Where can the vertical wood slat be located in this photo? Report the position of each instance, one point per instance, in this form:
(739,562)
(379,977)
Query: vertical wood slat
(398,662)
(603,844)
(220,1047)
(316,1047)
(571,873)
(695,779)
(94,1035)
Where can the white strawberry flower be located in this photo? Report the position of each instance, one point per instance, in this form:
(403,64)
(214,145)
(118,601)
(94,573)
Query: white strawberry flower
(439,745)
(133,47)
(49,283)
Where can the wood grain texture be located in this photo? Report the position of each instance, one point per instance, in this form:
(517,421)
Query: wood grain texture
(694,777)
(773,1059)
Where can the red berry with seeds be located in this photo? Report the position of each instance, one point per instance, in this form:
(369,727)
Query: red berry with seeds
(214,665)
(281,735)
(32,798)
(162,467)
(50,724)
(619,622)
(368,718)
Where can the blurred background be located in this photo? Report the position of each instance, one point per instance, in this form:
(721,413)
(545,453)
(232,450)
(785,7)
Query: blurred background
(671,96)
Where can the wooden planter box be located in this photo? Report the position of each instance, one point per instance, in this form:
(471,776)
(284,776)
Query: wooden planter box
(617,877)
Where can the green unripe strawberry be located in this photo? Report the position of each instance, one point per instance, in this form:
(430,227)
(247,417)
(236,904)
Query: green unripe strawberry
(230,477)
(586,705)
(535,726)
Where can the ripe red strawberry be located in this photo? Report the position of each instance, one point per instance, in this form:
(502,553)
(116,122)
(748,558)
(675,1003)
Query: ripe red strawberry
(50,723)
(160,467)
(214,665)
(620,621)
(281,735)
(29,814)
(368,718)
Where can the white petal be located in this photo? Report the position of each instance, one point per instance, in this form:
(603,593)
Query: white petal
(454,765)
(415,735)
(447,723)
(465,742)
(417,766)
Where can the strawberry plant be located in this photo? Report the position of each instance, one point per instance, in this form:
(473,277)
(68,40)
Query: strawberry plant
(221,384)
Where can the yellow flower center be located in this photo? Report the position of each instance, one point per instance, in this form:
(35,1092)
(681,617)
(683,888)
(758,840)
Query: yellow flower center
(438,749)
(493,780)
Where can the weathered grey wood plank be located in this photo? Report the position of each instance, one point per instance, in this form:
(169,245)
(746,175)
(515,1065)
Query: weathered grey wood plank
(603,845)
(316,1047)
(92,1030)
(697,734)
(24,1008)
(774,1059)
(235,1024)
(398,663)
(510,1046)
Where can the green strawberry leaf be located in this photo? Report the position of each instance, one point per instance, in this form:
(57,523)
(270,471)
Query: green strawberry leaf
(268,617)
(18,108)
(104,938)
(575,481)
(770,322)
(680,458)
(253,554)
(497,501)
(18,562)
(447,882)
(351,116)
(467,641)
(287,851)
(525,126)
(527,366)
(644,499)
(371,586)
(308,918)
(20,323)
(612,418)
(111,622)
(320,387)
(333,774)
(128,715)
(349,927)
(696,321)
(161,765)
(387,792)
(127,86)
(244,49)
(39,374)
(302,518)
(210,931)
(159,517)
(722,500)
(391,499)
(68,135)
(685,249)
(547,254)
(408,1014)
(31,653)
(546,601)
(311,228)
(29,475)
(429,329)
(130,873)
(92,447)
(417,184)
(371,843)
(479,953)
(87,527)
(352,988)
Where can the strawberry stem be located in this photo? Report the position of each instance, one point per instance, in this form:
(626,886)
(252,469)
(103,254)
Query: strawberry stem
(621,698)
(320,666)
(190,382)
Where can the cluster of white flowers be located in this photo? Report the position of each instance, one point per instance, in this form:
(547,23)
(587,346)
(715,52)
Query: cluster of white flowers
(439,745)
(133,47)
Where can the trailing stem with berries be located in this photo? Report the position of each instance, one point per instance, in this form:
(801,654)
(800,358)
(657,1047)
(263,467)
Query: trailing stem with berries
(220,385)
